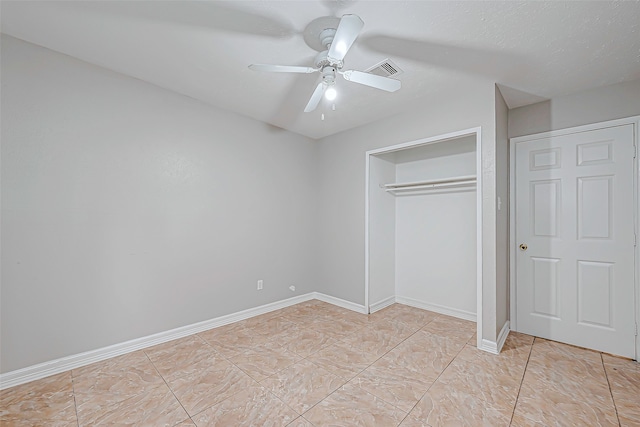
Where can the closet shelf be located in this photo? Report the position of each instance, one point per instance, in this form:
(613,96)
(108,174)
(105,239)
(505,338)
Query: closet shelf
(453,182)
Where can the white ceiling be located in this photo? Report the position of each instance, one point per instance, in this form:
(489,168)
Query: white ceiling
(535,50)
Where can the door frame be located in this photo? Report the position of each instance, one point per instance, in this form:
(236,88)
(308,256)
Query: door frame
(635,121)
(477,132)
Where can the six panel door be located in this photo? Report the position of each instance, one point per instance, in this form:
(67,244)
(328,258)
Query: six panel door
(574,224)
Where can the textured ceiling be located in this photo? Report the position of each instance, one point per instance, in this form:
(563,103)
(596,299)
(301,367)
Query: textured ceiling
(534,50)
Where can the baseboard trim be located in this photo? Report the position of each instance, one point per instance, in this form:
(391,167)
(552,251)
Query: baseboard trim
(448,311)
(42,370)
(377,306)
(358,308)
(502,336)
(496,347)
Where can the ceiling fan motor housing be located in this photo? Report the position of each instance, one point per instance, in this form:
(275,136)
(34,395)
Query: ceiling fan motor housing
(329,74)
(326,36)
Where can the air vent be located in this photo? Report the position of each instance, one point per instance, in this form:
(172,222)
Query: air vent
(385,69)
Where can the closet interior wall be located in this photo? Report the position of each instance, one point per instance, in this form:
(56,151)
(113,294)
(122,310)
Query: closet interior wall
(422,239)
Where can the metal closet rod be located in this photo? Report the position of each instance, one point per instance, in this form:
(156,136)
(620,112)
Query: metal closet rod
(435,183)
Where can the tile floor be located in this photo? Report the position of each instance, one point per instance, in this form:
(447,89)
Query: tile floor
(314,364)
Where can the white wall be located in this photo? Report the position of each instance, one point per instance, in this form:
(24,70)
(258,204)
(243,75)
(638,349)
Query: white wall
(342,182)
(592,106)
(382,235)
(436,231)
(128,210)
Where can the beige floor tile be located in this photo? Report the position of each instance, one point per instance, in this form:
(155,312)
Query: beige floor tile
(628,422)
(415,317)
(212,333)
(397,385)
(413,422)
(580,378)
(48,401)
(519,420)
(444,406)
(265,360)
(306,342)
(399,329)
(300,422)
(451,327)
(544,403)
(391,311)
(491,384)
(519,339)
(303,385)
(137,360)
(359,370)
(337,329)
(426,354)
(620,363)
(473,341)
(355,318)
(558,350)
(117,382)
(624,379)
(204,389)
(510,364)
(183,357)
(372,340)
(342,359)
(156,407)
(273,327)
(254,406)
(351,406)
(234,343)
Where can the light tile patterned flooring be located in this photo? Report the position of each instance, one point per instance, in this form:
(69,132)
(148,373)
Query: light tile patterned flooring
(314,364)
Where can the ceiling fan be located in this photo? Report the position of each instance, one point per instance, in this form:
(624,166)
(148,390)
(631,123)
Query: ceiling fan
(336,42)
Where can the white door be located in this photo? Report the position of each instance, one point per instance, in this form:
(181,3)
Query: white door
(574,215)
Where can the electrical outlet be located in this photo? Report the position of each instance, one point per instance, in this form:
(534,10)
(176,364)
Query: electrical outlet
(260,283)
(292,288)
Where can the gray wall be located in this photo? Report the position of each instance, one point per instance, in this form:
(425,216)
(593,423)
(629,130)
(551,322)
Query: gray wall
(129,210)
(342,182)
(502,215)
(592,106)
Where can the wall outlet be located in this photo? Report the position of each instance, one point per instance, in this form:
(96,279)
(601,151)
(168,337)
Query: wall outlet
(292,288)
(260,283)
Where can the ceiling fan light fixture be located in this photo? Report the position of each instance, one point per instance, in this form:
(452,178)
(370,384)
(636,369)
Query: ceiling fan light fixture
(330,93)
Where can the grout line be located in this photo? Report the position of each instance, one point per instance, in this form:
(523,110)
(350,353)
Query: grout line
(348,380)
(606,375)
(75,403)
(437,378)
(522,380)
(168,386)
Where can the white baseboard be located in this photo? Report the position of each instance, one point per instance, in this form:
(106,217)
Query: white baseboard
(496,347)
(42,370)
(448,311)
(358,308)
(377,306)
(502,336)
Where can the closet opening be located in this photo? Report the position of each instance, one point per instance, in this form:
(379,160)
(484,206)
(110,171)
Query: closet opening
(423,241)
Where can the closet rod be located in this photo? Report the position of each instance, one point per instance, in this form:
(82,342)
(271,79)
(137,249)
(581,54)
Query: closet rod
(432,186)
(459,180)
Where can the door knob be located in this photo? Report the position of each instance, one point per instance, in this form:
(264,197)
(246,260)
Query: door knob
(523,246)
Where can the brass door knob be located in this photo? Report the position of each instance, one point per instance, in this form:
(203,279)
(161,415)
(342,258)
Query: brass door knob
(523,246)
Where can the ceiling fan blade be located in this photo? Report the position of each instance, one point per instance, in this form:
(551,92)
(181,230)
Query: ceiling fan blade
(282,68)
(315,98)
(346,34)
(379,82)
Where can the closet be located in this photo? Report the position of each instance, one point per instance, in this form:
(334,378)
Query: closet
(422,227)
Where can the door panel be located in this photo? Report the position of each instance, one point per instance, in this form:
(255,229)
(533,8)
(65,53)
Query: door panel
(574,211)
